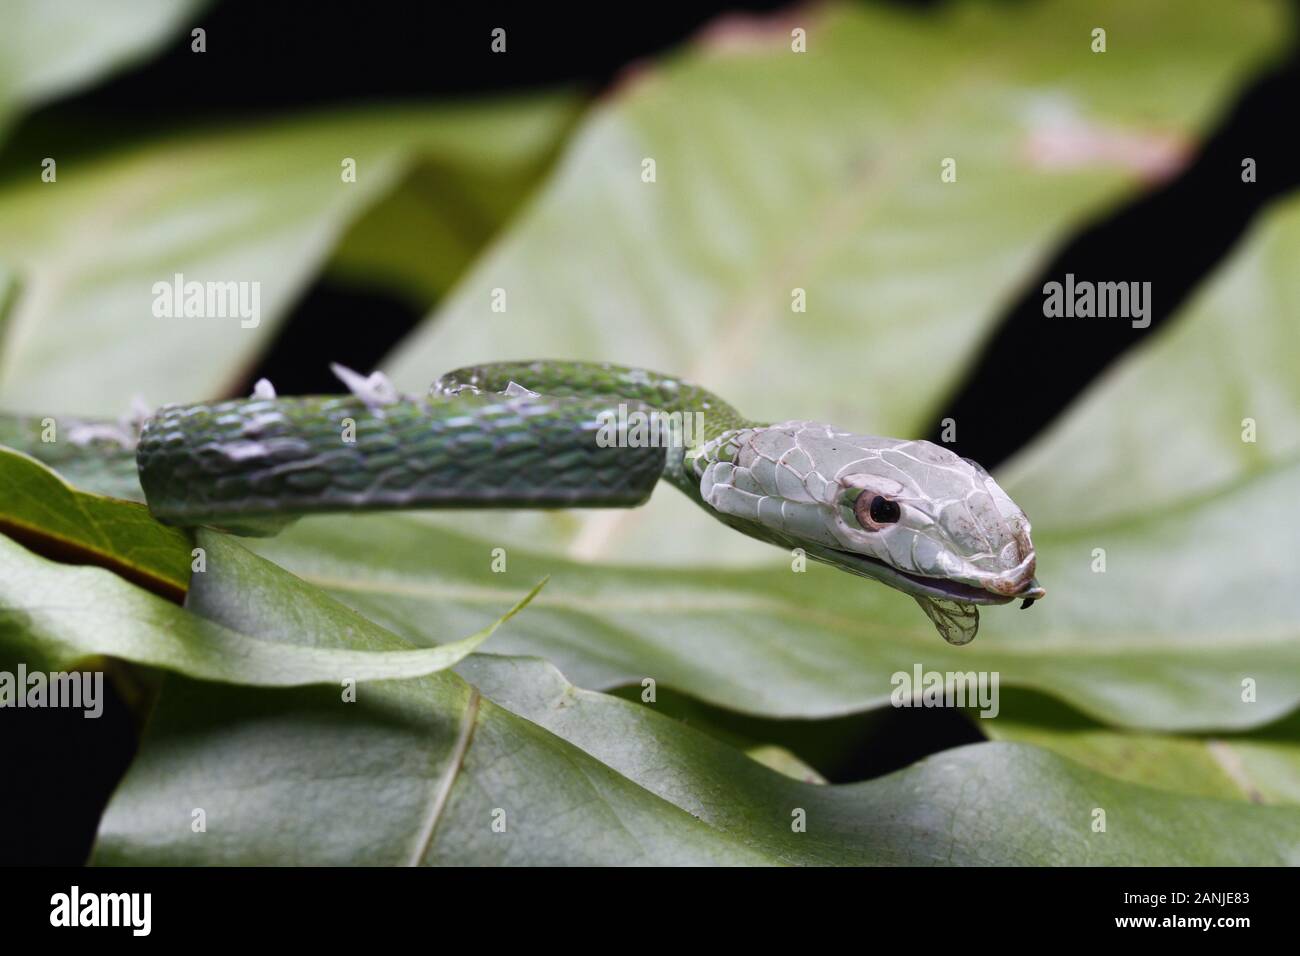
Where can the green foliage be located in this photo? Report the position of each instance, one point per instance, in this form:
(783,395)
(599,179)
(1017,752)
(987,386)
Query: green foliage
(56,616)
(1122,691)
(42,510)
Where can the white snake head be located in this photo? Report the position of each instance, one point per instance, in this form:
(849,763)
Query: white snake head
(910,514)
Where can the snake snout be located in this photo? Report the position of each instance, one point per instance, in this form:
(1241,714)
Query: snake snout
(1018,580)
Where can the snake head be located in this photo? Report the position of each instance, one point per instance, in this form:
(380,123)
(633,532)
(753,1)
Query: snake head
(910,514)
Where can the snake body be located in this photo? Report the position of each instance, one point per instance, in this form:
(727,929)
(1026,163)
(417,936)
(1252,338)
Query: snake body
(556,434)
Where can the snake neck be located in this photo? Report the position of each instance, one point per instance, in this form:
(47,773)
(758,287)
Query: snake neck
(704,419)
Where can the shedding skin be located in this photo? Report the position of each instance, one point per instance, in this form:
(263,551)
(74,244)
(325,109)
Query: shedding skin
(957,541)
(909,514)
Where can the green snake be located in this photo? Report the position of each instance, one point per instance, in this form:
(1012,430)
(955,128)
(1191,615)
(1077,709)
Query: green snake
(560,434)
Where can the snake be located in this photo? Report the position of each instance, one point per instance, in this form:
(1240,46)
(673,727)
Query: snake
(910,514)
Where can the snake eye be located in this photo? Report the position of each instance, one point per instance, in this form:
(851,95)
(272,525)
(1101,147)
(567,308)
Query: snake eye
(884,511)
(872,511)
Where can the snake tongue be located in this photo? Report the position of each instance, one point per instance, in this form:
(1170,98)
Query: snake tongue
(1032,592)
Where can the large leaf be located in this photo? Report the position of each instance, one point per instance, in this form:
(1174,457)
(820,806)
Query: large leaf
(821,171)
(695,775)
(56,616)
(1198,527)
(1195,611)
(39,508)
(1263,767)
(811,644)
(435,771)
(264,204)
(1168,431)
(48,49)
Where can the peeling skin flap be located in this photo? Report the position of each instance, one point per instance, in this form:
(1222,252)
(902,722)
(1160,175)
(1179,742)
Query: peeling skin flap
(958,623)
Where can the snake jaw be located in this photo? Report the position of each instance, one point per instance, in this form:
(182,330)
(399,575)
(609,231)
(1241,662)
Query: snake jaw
(916,585)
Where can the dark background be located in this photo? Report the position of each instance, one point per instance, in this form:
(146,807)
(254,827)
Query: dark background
(271,58)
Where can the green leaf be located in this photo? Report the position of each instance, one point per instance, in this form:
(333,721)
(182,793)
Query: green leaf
(418,771)
(38,508)
(778,171)
(1199,531)
(765,641)
(1263,767)
(1162,435)
(8,293)
(1149,476)
(1006,804)
(262,204)
(412,771)
(94,461)
(54,616)
(1167,499)
(50,49)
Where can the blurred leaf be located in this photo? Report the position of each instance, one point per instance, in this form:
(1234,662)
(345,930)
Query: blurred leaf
(8,295)
(49,49)
(53,616)
(1164,430)
(419,239)
(1261,768)
(100,463)
(784,763)
(419,771)
(38,508)
(261,204)
(778,171)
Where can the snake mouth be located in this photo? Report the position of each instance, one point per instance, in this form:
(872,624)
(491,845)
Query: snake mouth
(919,585)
